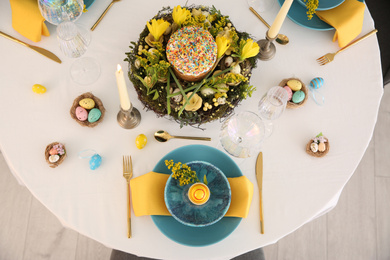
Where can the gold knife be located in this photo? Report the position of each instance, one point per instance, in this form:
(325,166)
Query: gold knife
(42,51)
(259,177)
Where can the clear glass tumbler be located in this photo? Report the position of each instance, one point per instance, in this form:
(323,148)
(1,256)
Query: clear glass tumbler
(272,106)
(242,134)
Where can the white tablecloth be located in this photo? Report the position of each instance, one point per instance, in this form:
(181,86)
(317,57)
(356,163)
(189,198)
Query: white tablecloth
(297,187)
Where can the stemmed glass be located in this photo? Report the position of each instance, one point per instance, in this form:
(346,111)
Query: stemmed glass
(242,134)
(272,106)
(73,40)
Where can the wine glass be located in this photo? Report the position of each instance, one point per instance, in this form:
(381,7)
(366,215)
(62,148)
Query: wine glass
(242,134)
(58,11)
(272,106)
(261,6)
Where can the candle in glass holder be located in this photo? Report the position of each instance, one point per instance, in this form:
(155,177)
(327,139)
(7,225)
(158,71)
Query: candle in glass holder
(277,24)
(122,88)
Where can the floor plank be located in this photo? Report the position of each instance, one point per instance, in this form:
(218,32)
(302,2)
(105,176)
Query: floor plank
(90,249)
(382,217)
(351,225)
(47,238)
(15,202)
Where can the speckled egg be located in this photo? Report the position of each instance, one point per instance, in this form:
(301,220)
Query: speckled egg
(95,162)
(294,84)
(94,115)
(141,141)
(39,89)
(81,113)
(316,83)
(289,92)
(314,147)
(54,158)
(53,151)
(87,103)
(298,96)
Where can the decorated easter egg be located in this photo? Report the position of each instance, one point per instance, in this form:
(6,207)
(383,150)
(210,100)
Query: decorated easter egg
(314,147)
(87,103)
(321,147)
(141,141)
(294,84)
(289,92)
(54,158)
(81,113)
(95,162)
(39,89)
(94,115)
(316,83)
(53,151)
(298,96)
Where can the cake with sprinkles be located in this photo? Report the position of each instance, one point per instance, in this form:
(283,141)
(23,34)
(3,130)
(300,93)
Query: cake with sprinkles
(190,64)
(192,52)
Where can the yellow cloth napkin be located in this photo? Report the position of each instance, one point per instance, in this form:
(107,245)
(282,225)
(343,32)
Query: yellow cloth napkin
(27,19)
(346,18)
(147,193)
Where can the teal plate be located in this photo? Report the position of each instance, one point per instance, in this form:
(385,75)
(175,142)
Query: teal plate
(324,4)
(297,14)
(88,3)
(198,236)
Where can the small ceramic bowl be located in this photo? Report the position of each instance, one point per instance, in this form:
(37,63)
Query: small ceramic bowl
(190,214)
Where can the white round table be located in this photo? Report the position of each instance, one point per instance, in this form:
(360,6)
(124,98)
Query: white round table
(297,188)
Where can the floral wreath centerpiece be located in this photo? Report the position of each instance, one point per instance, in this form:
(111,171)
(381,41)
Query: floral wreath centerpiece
(192,65)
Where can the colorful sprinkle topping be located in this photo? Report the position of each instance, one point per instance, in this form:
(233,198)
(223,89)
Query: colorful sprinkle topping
(192,50)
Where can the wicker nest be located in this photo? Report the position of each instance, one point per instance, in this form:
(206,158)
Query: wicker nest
(47,155)
(318,153)
(98,104)
(291,104)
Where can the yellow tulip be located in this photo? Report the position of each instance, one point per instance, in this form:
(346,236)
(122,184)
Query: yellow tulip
(180,15)
(157,28)
(222,45)
(250,49)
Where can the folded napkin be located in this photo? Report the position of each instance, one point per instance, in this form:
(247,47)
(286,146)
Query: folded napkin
(346,18)
(27,19)
(147,193)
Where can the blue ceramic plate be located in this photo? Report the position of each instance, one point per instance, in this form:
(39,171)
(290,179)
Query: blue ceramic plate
(198,236)
(324,4)
(297,14)
(88,3)
(184,211)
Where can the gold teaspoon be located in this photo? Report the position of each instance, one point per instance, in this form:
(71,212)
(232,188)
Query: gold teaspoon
(163,136)
(281,38)
(103,14)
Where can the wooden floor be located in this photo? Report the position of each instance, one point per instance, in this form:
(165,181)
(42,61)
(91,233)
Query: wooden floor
(358,228)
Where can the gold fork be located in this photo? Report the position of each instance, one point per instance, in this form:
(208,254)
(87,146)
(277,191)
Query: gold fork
(127,174)
(330,56)
(103,14)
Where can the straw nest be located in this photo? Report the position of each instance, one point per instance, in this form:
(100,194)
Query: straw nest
(98,104)
(318,153)
(47,155)
(290,104)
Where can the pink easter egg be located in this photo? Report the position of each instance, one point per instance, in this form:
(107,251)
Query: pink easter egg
(53,151)
(289,92)
(81,113)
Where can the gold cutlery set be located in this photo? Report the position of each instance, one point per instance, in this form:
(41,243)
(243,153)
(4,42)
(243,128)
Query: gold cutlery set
(128,174)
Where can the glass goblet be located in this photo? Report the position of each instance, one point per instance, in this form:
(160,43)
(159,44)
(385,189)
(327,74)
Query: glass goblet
(272,106)
(242,134)
(58,11)
(74,41)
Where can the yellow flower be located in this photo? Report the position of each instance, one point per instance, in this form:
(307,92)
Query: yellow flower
(157,28)
(250,49)
(194,103)
(180,15)
(222,45)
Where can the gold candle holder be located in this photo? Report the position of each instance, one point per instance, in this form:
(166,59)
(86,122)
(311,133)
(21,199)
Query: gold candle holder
(267,48)
(130,118)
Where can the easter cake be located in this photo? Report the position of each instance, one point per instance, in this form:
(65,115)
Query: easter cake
(192,53)
(191,65)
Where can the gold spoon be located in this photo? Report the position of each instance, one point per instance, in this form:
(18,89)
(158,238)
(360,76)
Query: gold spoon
(281,38)
(103,14)
(163,136)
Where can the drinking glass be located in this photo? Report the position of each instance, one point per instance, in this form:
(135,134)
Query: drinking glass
(58,11)
(272,106)
(242,134)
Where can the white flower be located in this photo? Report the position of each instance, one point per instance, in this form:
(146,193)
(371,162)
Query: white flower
(207,91)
